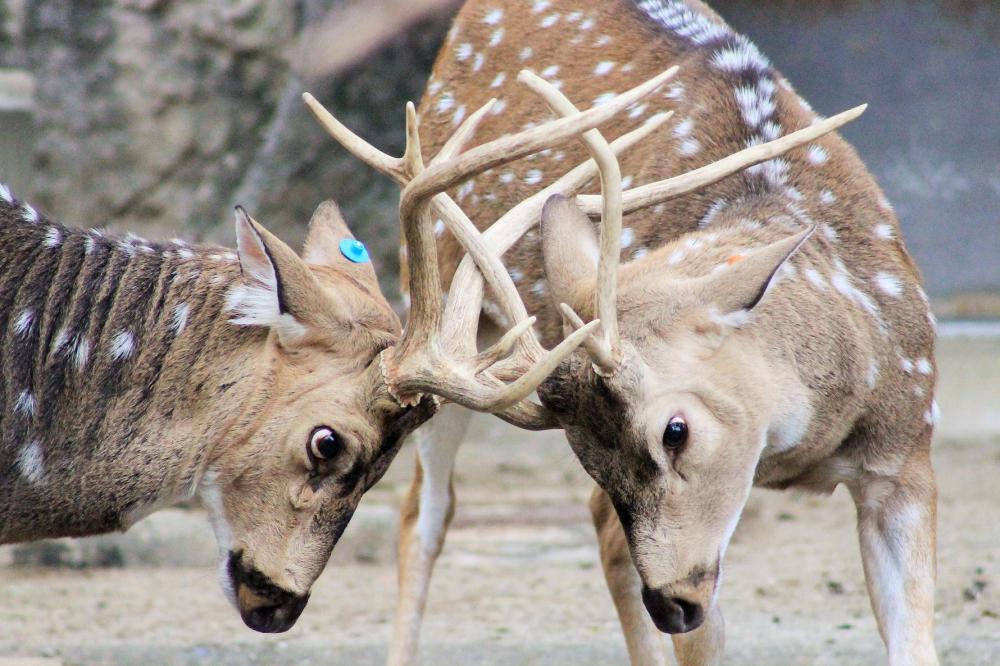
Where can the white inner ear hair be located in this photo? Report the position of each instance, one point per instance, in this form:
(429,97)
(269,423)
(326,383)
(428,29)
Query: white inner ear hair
(254,302)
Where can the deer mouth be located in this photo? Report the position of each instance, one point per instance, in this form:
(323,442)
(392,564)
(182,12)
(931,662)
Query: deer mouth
(263,605)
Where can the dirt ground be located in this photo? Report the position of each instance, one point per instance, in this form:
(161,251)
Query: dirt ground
(520,583)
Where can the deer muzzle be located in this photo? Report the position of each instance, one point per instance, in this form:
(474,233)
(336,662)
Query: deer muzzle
(264,606)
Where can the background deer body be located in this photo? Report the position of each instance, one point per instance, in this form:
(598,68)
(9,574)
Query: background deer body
(804,367)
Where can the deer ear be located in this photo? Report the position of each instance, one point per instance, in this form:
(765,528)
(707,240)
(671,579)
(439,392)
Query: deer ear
(743,283)
(278,290)
(570,253)
(331,243)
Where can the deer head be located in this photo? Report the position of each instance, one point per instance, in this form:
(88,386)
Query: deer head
(666,408)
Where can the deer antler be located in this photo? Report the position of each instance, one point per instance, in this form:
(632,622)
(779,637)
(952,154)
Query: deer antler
(612,203)
(437,354)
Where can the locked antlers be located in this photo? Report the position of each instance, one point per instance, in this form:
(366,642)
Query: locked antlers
(437,353)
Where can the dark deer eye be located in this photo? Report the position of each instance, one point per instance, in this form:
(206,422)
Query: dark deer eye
(324,443)
(676,433)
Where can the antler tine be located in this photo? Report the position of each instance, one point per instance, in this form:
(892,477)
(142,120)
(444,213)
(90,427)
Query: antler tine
(412,158)
(391,166)
(440,177)
(650,194)
(461,315)
(605,298)
(600,354)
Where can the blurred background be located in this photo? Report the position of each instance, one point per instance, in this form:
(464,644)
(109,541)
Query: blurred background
(157,116)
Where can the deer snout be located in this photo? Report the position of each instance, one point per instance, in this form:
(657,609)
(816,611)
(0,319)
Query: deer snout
(263,605)
(672,614)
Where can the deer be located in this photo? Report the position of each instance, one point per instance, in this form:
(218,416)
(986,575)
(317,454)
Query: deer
(277,387)
(761,322)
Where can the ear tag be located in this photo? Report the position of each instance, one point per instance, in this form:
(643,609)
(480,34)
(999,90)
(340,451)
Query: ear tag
(354,250)
(736,258)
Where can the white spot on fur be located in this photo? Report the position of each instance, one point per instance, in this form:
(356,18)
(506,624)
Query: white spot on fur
(31,462)
(587,23)
(179,318)
(477,62)
(540,6)
(25,404)
(675,92)
(815,279)
(827,198)
(923,366)
(525,53)
(640,252)
(458,115)
(740,58)
(872,377)
(604,98)
(550,71)
(830,233)
(81,354)
(734,319)
(499,107)
(516,275)
(884,231)
(29,214)
(24,322)
(549,21)
(533,177)
(5,194)
(683,128)
(889,284)
(122,345)
(756,103)
(507,177)
(817,155)
(463,51)
(604,67)
(446,103)
(628,235)
(53,237)
(680,19)
(626,182)
(689,147)
(496,37)
(498,80)
(676,257)
(493,17)
(538,288)
(638,111)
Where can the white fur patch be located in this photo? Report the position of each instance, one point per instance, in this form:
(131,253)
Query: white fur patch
(31,462)
(739,58)
(122,345)
(627,236)
(179,318)
(689,147)
(24,322)
(756,102)
(889,284)
(923,366)
(29,214)
(872,377)
(682,21)
(81,354)
(538,288)
(498,80)
(604,67)
(817,155)
(533,177)
(25,404)
(827,198)
(463,51)
(815,279)
(496,37)
(884,231)
(5,193)
(88,245)
(493,17)
(734,319)
(53,237)
(549,21)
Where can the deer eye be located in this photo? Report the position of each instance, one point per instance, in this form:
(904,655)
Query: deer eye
(676,433)
(324,443)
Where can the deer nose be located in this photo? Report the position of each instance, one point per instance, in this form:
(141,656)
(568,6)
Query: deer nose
(671,614)
(275,619)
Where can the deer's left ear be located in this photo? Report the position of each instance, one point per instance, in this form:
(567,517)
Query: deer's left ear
(735,290)
(278,291)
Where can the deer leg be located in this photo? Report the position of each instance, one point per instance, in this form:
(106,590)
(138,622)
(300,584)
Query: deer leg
(643,640)
(424,520)
(896,526)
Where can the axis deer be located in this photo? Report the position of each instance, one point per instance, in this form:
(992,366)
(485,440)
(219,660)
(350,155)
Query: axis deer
(737,347)
(276,387)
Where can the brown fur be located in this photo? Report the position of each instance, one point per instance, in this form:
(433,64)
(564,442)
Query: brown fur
(190,402)
(786,380)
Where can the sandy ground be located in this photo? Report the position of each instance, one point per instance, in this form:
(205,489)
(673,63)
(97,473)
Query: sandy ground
(520,583)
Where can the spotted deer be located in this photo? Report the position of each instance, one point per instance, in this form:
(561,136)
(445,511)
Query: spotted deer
(277,387)
(765,329)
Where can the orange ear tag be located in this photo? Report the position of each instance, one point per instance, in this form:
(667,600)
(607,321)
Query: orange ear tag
(735,258)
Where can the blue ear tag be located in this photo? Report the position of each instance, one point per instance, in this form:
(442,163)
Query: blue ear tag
(354,250)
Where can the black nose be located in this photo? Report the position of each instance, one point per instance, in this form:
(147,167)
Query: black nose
(275,619)
(672,615)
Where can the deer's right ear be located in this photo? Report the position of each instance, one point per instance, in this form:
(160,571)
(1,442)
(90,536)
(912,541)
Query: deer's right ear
(570,253)
(278,291)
